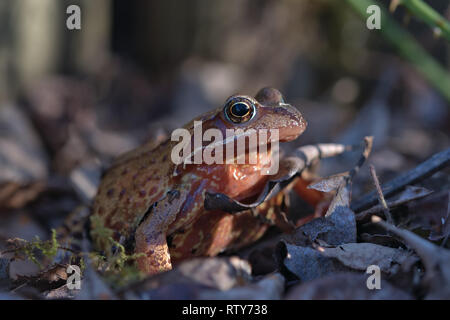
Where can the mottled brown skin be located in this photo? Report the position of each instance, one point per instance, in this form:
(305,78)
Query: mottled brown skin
(159,206)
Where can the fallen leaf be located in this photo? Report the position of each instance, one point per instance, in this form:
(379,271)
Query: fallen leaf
(329,184)
(358,256)
(307,263)
(338,228)
(51,278)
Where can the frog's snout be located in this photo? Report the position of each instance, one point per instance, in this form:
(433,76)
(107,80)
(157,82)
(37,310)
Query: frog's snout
(295,124)
(284,117)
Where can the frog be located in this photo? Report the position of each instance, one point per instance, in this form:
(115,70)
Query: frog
(156,207)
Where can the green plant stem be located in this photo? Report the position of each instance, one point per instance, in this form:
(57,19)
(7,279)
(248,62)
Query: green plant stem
(407,46)
(429,15)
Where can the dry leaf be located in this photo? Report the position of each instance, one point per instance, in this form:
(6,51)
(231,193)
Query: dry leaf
(359,256)
(307,263)
(338,228)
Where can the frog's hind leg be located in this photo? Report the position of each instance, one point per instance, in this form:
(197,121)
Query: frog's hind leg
(150,236)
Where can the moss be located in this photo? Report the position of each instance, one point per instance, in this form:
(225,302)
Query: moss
(32,249)
(115,261)
(118,267)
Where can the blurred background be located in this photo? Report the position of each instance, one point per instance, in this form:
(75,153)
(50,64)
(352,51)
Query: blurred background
(71,100)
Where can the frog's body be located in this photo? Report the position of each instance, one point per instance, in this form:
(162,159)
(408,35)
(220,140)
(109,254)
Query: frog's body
(159,206)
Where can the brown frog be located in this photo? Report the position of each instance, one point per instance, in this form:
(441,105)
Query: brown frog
(158,206)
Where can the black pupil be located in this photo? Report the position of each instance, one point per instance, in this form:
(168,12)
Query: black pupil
(240,109)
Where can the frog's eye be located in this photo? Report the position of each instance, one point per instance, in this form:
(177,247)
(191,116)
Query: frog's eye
(240,111)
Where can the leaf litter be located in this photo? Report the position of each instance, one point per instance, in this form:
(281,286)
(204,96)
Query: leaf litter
(325,258)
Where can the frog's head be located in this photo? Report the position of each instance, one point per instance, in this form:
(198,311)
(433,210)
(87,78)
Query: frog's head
(267,110)
(243,116)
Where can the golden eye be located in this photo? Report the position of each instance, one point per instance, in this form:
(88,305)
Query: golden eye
(239,111)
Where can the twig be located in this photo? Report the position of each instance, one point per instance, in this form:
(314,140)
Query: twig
(368,143)
(343,185)
(364,215)
(383,203)
(308,154)
(425,169)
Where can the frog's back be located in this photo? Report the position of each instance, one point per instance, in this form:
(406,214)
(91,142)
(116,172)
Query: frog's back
(131,186)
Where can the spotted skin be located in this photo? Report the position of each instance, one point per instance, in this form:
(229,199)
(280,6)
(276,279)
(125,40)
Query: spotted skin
(159,206)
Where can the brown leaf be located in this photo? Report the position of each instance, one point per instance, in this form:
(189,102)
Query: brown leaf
(358,256)
(51,278)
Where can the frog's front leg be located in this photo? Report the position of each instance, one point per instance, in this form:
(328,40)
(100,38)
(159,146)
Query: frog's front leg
(150,236)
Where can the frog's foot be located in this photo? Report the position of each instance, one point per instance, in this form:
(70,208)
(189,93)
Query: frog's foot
(150,236)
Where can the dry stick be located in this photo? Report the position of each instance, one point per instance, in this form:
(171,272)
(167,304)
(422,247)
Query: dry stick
(310,153)
(361,216)
(343,191)
(368,143)
(383,203)
(425,169)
